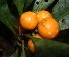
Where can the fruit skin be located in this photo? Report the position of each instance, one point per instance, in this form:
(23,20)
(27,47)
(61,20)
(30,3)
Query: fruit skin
(31,44)
(42,15)
(37,36)
(48,28)
(28,20)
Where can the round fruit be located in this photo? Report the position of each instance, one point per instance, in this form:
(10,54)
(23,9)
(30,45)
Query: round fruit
(31,44)
(42,15)
(48,28)
(28,20)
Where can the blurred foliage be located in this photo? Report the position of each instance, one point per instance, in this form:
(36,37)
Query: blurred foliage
(5,15)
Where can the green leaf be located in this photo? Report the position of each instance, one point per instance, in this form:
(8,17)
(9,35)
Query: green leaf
(27,3)
(42,4)
(50,48)
(61,13)
(15,54)
(20,5)
(5,15)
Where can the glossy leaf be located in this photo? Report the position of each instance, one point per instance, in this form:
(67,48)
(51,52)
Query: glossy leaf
(42,4)
(50,48)
(20,5)
(5,15)
(61,13)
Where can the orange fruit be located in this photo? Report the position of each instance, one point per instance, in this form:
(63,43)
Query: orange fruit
(31,44)
(37,36)
(42,15)
(28,20)
(48,28)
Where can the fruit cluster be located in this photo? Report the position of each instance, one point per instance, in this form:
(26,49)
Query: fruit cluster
(47,27)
